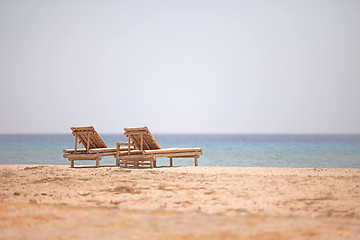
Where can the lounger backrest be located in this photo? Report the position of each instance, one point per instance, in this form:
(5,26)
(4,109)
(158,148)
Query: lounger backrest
(85,133)
(148,142)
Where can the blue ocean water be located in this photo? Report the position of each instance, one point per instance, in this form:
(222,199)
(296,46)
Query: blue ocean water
(242,150)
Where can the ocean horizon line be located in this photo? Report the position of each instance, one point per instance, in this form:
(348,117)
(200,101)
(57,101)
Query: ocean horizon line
(192,133)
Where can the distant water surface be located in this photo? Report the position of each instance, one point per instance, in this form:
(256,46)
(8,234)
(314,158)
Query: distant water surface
(242,150)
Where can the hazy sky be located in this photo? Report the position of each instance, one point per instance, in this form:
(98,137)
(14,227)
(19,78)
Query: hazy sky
(180,66)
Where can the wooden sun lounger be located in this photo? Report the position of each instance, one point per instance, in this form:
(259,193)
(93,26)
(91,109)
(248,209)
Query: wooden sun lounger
(95,147)
(147,150)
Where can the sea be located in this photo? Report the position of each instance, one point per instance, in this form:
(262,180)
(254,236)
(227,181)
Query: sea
(240,150)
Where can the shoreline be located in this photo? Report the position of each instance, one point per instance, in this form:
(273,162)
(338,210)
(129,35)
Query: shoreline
(289,198)
(160,166)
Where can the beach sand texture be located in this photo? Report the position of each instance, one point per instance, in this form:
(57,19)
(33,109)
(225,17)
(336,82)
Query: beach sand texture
(59,202)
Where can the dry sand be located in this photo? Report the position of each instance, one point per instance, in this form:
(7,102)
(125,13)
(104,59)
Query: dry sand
(59,202)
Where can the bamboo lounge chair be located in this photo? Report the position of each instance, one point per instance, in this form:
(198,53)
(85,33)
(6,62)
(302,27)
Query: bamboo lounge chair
(147,150)
(95,147)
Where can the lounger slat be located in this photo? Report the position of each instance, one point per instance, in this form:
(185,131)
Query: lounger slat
(82,139)
(94,143)
(82,129)
(136,141)
(127,130)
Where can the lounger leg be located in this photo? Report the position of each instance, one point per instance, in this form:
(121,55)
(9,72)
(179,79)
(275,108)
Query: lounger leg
(117,162)
(152,162)
(171,163)
(72,163)
(196,161)
(97,161)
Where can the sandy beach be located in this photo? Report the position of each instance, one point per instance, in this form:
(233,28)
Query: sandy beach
(59,202)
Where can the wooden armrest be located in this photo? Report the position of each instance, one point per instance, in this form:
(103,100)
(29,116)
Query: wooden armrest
(118,148)
(118,144)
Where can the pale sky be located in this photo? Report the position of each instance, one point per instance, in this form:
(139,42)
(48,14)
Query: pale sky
(180,66)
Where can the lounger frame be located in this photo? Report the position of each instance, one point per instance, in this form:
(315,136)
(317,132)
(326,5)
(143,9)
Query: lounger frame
(95,147)
(147,150)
